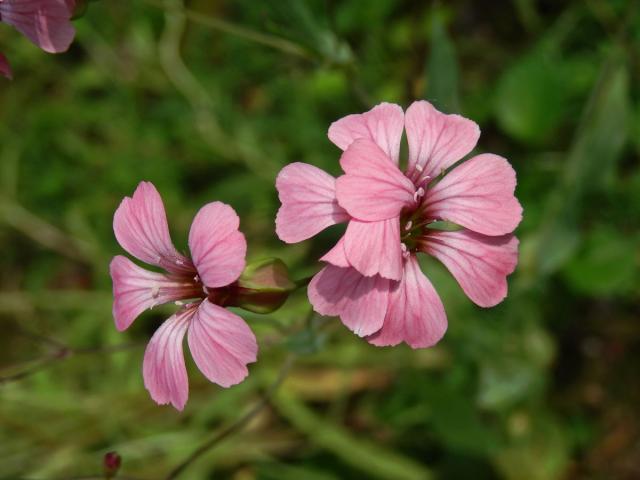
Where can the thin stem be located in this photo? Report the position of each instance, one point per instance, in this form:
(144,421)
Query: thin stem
(265,39)
(61,353)
(237,425)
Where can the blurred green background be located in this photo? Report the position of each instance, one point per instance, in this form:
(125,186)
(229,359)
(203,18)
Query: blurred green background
(209,100)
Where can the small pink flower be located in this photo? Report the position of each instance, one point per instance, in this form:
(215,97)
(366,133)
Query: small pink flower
(373,280)
(221,343)
(47,23)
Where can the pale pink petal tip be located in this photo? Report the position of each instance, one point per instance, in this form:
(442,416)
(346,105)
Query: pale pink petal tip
(140,226)
(383,124)
(5,68)
(221,344)
(309,202)
(436,140)
(359,301)
(47,23)
(163,369)
(415,314)
(373,187)
(218,248)
(479,263)
(479,195)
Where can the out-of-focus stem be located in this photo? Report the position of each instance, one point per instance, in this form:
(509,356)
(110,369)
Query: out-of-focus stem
(238,424)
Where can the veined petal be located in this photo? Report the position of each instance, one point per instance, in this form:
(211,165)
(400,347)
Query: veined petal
(359,301)
(373,187)
(478,194)
(337,256)
(136,290)
(163,368)
(5,68)
(373,248)
(479,263)
(140,226)
(221,344)
(309,202)
(217,247)
(436,140)
(415,314)
(383,124)
(47,23)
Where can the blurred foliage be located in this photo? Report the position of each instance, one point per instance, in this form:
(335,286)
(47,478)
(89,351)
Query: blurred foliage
(209,102)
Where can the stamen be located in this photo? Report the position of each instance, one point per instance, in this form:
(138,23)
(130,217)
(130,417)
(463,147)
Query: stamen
(418,194)
(405,251)
(179,262)
(419,167)
(179,303)
(155,291)
(408,225)
(196,278)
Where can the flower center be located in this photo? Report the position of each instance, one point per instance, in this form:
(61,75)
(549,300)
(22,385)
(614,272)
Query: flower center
(414,220)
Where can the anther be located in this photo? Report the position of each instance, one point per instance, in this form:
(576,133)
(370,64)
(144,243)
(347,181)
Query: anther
(419,167)
(405,251)
(155,291)
(418,194)
(179,303)
(408,225)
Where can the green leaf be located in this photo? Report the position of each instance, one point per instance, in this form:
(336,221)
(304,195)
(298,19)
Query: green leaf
(590,164)
(605,264)
(371,458)
(442,67)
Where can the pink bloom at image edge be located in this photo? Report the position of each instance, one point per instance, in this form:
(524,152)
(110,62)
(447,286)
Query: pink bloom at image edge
(221,343)
(47,23)
(372,279)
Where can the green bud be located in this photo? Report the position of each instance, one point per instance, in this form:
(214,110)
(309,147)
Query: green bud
(263,286)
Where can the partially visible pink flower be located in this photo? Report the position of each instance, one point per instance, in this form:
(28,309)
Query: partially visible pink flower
(47,23)
(373,280)
(221,343)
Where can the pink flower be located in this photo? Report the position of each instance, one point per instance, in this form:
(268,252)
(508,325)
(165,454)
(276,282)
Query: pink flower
(221,343)
(47,23)
(373,280)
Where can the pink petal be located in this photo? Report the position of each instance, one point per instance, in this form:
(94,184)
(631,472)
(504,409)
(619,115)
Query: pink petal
(373,248)
(478,194)
(337,256)
(415,314)
(140,226)
(5,68)
(47,23)
(309,202)
(217,247)
(163,368)
(383,124)
(479,263)
(436,141)
(136,290)
(221,344)
(361,302)
(373,187)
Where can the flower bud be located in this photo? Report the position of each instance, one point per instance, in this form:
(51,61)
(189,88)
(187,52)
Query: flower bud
(111,464)
(263,286)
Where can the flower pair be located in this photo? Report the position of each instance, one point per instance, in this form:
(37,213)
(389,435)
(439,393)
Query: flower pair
(372,279)
(47,23)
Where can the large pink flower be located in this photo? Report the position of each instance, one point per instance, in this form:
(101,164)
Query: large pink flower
(221,343)
(373,280)
(47,23)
